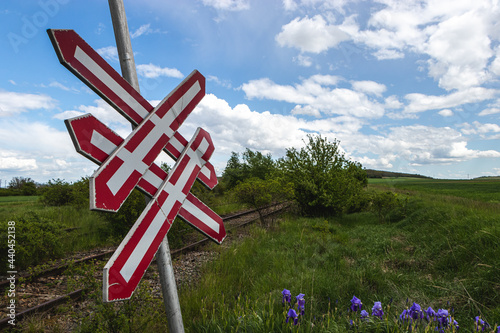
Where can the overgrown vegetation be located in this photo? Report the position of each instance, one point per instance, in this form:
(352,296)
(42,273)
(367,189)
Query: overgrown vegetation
(395,241)
(441,254)
(324,181)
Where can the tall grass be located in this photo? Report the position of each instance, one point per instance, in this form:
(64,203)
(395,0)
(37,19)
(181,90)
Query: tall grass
(437,253)
(48,232)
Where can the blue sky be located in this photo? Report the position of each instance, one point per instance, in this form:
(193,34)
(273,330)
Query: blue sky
(408,86)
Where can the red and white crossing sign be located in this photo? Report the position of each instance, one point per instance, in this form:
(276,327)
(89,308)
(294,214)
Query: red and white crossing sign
(96,141)
(129,163)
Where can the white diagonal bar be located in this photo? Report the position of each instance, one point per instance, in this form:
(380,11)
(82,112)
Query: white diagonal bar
(107,80)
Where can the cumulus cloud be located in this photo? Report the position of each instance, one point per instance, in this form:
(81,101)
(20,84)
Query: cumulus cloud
(369,87)
(151,71)
(313,35)
(457,37)
(314,95)
(102,111)
(39,151)
(11,162)
(417,144)
(420,102)
(12,102)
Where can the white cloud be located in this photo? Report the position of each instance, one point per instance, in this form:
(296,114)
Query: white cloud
(303,60)
(290,5)
(306,110)
(417,144)
(224,83)
(489,111)
(369,87)
(313,35)
(13,102)
(446,113)
(315,93)
(237,128)
(109,53)
(143,29)
(457,37)
(102,111)
(230,5)
(39,151)
(152,71)
(9,161)
(459,50)
(420,102)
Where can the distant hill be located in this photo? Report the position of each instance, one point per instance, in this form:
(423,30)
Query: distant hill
(389,174)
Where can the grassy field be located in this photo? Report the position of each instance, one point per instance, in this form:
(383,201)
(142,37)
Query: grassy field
(440,248)
(486,190)
(436,251)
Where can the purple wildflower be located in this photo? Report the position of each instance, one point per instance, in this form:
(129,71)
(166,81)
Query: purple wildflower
(442,317)
(292,314)
(355,304)
(481,324)
(416,312)
(404,315)
(377,310)
(301,304)
(364,314)
(287,296)
(430,313)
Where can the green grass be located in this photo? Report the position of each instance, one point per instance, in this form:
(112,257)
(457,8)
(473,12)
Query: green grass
(486,190)
(17,199)
(69,229)
(441,254)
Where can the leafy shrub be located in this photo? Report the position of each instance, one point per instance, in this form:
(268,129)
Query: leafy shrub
(325,182)
(56,193)
(36,239)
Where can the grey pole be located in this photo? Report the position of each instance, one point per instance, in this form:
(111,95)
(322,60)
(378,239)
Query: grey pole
(163,258)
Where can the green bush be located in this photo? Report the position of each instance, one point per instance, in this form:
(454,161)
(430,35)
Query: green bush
(56,193)
(325,182)
(36,239)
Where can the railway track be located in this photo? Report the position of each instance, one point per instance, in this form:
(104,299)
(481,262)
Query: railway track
(42,291)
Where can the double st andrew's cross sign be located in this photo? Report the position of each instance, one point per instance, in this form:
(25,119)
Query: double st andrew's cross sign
(129,163)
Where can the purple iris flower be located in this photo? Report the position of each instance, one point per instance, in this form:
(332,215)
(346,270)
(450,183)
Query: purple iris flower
(416,312)
(287,296)
(292,314)
(301,303)
(404,315)
(442,317)
(481,324)
(377,310)
(355,304)
(364,314)
(430,314)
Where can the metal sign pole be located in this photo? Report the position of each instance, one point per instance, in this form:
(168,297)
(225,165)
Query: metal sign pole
(164,261)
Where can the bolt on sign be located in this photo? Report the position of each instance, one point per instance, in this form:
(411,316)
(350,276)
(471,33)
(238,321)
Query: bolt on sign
(125,164)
